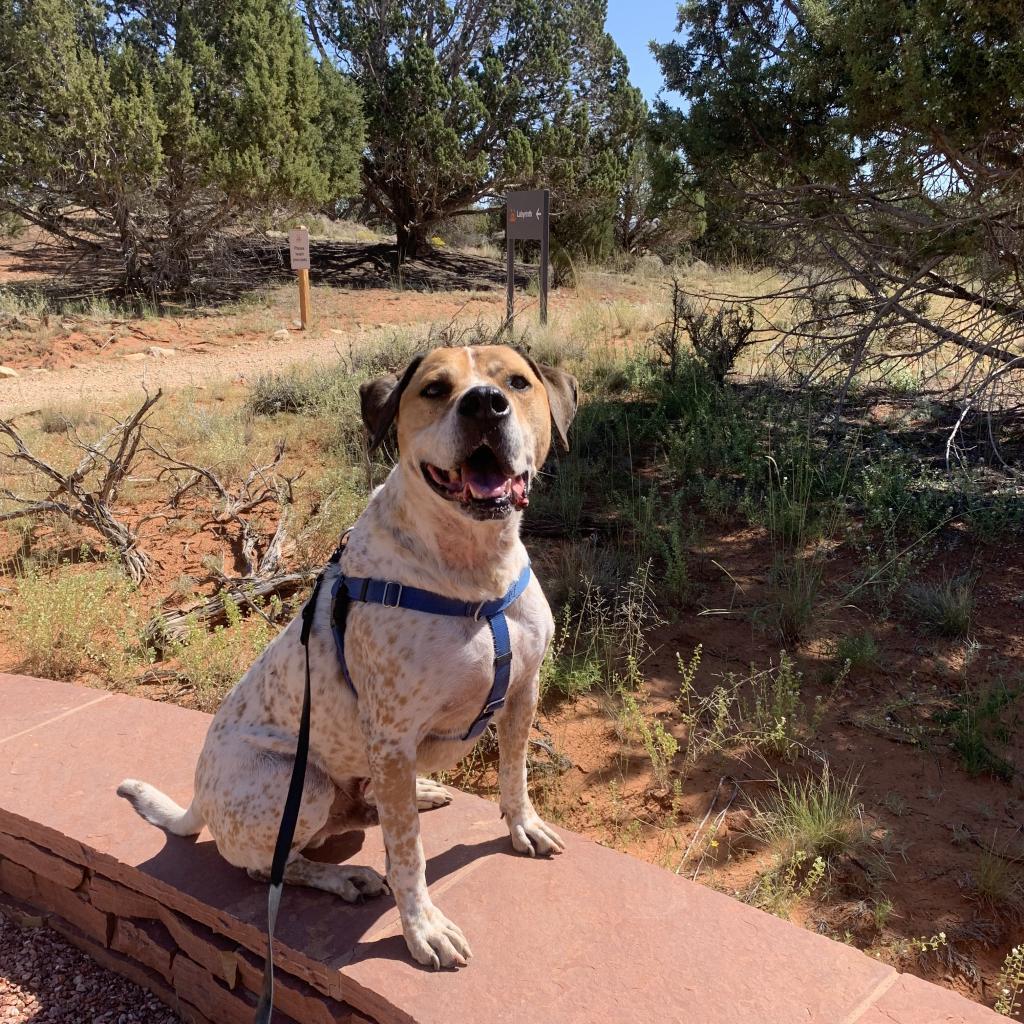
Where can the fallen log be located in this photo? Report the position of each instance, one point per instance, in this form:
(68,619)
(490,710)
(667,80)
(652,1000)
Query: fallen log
(167,628)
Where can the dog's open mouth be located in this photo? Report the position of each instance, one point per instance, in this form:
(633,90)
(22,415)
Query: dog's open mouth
(481,484)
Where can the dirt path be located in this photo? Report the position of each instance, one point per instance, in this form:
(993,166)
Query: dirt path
(125,377)
(89,361)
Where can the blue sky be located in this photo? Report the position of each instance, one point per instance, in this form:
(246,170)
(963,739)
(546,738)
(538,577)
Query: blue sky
(633,24)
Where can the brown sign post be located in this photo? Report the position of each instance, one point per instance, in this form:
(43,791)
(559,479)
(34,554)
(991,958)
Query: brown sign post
(298,254)
(527,216)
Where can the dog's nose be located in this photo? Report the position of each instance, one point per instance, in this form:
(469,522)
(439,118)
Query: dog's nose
(483,403)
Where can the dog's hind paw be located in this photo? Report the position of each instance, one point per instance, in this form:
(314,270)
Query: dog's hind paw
(431,794)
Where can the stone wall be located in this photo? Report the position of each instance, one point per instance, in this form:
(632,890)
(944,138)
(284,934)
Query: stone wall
(205,976)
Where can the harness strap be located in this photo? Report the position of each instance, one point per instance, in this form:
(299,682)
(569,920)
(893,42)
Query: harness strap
(394,595)
(290,815)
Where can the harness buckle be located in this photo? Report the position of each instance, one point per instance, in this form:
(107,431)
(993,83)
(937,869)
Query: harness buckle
(387,591)
(502,659)
(493,705)
(478,610)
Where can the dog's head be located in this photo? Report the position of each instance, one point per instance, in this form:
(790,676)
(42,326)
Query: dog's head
(474,424)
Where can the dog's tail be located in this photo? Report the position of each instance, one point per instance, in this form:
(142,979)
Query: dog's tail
(160,810)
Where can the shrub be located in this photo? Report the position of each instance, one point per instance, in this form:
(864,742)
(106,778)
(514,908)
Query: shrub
(274,393)
(71,621)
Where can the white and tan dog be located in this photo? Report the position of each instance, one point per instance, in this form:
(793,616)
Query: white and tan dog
(474,428)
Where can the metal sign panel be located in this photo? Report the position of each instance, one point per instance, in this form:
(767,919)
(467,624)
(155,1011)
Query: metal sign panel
(298,248)
(525,214)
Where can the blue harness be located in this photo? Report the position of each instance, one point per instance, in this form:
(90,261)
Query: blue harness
(396,595)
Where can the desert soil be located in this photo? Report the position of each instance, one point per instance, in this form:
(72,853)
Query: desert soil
(932,822)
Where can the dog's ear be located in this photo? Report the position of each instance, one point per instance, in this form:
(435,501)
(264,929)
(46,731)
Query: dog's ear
(563,396)
(378,401)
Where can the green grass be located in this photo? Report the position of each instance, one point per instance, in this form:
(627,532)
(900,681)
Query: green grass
(813,816)
(945,608)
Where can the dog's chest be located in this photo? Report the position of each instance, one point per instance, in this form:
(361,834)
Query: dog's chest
(433,671)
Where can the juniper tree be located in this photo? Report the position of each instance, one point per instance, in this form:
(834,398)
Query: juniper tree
(464,98)
(876,148)
(152,127)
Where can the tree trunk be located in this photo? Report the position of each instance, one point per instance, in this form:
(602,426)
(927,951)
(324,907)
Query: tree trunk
(412,241)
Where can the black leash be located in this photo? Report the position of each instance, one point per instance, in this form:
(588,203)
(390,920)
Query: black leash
(290,817)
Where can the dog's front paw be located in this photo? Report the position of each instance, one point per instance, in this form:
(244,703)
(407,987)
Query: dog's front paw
(531,836)
(436,942)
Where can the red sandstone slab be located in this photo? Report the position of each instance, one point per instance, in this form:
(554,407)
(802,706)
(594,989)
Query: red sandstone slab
(594,935)
(588,936)
(57,788)
(27,703)
(913,1001)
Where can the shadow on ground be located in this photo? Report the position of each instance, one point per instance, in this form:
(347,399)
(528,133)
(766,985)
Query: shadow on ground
(231,273)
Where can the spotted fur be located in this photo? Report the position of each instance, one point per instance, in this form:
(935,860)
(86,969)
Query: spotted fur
(419,677)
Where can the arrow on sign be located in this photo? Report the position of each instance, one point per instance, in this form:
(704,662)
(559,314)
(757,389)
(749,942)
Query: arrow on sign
(540,213)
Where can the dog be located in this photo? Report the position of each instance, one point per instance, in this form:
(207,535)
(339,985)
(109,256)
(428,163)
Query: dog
(474,428)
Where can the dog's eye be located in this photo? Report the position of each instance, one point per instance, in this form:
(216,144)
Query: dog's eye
(519,382)
(436,389)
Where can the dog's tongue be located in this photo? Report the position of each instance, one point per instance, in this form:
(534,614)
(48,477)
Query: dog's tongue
(485,483)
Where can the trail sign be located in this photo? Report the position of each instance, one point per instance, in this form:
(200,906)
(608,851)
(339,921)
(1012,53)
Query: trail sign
(298,255)
(298,248)
(527,216)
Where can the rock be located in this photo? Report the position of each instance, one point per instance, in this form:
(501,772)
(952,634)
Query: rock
(134,357)
(6,371)
(162,352)
(282,333)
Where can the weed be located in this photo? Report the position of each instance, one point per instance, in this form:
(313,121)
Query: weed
(763,710)
(817,814)
(895,803)
(793,879)
(881,910)
(600,640)
(1010,985)
(68,622)
(792,598)
(857,651)
(946,608)
(978,721)
(772,712)
(213,661)
(637,723)
(996,884)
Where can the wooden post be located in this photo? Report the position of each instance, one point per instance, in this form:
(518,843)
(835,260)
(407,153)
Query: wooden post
(510,252)
(304,297)
(298,254)
(544,246)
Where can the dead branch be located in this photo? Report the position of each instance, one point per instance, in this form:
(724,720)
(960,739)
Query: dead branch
(166,629)
(87,494)
(261,486)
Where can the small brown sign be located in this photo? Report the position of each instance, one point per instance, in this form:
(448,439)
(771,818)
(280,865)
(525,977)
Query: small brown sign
(525,215)
(298,248)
